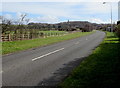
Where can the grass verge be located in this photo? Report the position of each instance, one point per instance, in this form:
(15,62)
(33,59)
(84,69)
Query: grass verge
(100,70)
(14,46)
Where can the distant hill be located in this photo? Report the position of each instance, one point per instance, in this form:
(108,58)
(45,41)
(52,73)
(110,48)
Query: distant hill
(68,26)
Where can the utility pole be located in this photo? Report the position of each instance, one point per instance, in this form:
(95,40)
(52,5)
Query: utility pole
(119,11)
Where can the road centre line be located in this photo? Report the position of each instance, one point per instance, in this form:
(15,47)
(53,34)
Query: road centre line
(77,43)
(1,71)
(48,54)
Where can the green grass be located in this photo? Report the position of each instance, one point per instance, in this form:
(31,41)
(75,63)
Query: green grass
(14,46)
(52,31)
(100,70)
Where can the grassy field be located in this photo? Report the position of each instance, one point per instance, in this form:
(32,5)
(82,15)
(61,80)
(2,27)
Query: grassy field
(46,32)
(53,32)
(14,46)
(99,70)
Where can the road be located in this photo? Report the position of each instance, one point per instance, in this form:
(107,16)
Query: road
(30,67)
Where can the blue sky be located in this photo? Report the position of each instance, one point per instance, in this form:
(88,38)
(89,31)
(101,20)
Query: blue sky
(54,12)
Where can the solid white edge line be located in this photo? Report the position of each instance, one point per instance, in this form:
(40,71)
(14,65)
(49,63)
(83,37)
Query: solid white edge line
(47,54)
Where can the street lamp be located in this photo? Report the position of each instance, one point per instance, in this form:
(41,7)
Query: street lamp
(111,15)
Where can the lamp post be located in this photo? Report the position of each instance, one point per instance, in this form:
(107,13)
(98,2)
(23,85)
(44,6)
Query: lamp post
(118,22)
(111,16)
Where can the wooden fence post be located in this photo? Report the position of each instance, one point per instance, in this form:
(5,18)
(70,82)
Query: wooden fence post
(9,38)
(22,36)
(28,36)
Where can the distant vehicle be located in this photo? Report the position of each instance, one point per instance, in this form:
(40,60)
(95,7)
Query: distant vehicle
(108,29)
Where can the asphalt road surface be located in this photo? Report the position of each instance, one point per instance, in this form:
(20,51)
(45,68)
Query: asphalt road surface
(30,67)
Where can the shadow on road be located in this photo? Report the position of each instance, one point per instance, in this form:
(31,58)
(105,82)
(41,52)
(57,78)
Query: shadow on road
(61,73)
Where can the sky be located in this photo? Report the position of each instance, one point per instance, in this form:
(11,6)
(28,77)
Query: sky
(55,12)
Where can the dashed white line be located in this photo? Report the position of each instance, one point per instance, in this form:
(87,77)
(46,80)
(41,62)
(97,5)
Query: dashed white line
(1,71)
(77,43)
(47,54)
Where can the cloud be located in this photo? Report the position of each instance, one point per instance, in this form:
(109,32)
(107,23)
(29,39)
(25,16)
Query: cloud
(96,8)
(8,16)
(18,14)
(46,9)
(45,19)
(97,20)
(67,10)
(58,9)
(59,0)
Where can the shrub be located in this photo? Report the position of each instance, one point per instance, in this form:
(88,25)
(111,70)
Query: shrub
(118,31)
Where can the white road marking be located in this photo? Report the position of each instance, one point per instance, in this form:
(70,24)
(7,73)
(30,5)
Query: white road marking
(86,39)
(1,71)
(47,54)
(77,43)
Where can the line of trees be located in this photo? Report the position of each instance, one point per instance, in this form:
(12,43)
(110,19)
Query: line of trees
(22,26)
(84,26)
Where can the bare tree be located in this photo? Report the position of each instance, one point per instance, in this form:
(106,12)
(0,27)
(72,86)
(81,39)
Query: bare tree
(27,20)
(21,21)
(5,24)
(22,18)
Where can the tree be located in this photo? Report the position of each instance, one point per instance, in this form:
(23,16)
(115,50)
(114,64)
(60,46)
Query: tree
(22,28)
(6,24)
(118,31)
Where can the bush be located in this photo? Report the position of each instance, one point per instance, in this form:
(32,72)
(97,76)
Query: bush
(118,31)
